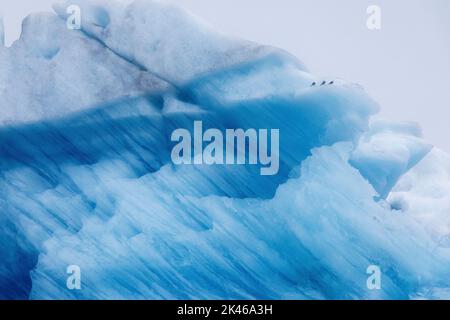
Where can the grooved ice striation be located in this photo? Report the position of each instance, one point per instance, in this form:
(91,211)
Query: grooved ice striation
(86,176)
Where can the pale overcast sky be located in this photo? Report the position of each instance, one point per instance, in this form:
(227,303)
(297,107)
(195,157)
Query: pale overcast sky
(405,66)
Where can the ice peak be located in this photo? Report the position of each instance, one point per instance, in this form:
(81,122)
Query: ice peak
(167,40)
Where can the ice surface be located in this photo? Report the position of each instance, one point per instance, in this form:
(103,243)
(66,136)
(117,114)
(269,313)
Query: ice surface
(387,151)
(2,33)
(165,39)
(58,71)
(162,244)
(86,177)
(423,193)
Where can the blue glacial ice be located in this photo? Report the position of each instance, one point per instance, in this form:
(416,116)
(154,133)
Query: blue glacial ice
(86,176)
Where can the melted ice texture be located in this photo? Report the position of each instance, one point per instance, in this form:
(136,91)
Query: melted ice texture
(86,177)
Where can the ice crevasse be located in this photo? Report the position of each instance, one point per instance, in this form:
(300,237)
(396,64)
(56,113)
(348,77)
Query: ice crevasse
(86,176)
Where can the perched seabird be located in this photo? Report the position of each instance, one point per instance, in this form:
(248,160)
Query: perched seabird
(324,82)
(331,82)
(313,84)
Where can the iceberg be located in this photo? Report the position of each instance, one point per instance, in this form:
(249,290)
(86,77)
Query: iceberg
(2,32)
(87,178)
